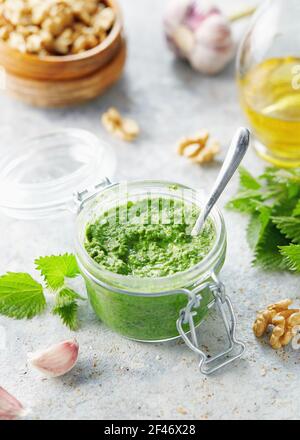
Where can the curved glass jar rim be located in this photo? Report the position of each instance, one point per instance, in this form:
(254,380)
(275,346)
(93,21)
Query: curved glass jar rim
(131,283)
(39,176)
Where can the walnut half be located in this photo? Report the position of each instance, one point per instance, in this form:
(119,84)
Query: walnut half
(125,128)
(197,149)
(283,320)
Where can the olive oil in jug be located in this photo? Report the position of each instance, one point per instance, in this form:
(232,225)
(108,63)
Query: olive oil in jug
(270,97)
(268,75)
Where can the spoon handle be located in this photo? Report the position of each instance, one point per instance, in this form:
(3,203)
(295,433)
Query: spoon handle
(236,152)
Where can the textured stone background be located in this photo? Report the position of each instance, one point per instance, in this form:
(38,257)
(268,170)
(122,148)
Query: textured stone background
(117,378)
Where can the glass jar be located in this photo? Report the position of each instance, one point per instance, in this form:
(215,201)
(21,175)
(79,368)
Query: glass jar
(118,300)
(268,75)
(62,172)
(156,309)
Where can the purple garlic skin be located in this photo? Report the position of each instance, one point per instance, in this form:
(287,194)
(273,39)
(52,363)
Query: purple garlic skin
(200,35)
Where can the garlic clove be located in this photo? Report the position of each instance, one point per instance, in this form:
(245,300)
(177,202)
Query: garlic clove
(173,19)
(56,360)
(175,14)
(209,61)
(184,40)
(10,407)
(215,31)
(196,14)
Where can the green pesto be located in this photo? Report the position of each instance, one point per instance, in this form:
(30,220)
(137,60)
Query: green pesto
(149,238)
(143,318)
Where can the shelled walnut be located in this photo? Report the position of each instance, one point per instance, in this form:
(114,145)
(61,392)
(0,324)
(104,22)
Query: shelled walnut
(283,320)
(125,128)
(54,27)
(197,149)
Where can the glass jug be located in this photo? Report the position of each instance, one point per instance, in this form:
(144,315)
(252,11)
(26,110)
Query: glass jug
(268,76)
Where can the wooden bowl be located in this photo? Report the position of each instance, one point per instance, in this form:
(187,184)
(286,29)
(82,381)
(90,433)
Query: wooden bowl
(59,93)
(51,81)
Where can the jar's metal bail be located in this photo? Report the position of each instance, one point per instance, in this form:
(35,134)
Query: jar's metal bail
(222,302)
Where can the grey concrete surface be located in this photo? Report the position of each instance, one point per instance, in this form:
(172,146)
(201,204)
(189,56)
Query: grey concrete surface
(117,378)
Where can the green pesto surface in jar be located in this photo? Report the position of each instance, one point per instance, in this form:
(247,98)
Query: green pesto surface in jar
(149,238)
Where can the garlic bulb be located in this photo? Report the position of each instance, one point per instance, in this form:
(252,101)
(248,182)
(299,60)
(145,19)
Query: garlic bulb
(56,360)
(10,407)
(200,35)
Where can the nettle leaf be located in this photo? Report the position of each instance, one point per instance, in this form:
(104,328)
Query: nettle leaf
(272,201)
(267,253)
(20,296)
(66,296)
(284,184)
(66,307)
(291,256)
(289,226)
(293,189)
(296,211)
(284,207)
(247,181)
(245,201)
(277,176)
(56,268)
(257,226)
(254,230)
(269,174)
(68,314)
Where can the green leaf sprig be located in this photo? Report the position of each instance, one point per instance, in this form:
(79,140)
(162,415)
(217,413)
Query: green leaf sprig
(23,297)
(273,203)
(20,296)
(56,268)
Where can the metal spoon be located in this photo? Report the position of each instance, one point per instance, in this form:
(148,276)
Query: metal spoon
(236,152)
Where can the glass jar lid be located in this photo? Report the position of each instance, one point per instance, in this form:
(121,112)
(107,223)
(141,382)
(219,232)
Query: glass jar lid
(39,177)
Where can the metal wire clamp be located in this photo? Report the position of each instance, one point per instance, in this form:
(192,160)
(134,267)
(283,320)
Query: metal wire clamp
(222,302)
